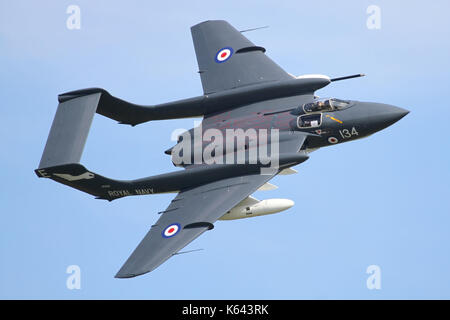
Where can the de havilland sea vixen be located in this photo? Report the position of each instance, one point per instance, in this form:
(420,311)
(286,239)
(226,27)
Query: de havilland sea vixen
(274,117)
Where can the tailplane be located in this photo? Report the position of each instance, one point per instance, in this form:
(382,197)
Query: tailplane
(68,134)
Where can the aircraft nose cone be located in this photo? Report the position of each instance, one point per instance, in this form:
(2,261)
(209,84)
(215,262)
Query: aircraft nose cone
(385,115)
(396,113)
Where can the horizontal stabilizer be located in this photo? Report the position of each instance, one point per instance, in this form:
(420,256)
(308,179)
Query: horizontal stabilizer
(69,131)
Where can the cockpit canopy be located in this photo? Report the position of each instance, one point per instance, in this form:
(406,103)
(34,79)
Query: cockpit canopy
(310,114)
(322,105)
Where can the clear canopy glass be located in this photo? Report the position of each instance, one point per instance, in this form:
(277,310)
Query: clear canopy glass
(327,104)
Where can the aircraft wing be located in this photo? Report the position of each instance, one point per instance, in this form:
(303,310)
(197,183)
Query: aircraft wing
(227,60)
(191,213)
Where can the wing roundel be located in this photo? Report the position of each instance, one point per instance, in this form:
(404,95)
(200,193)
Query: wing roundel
(227,60)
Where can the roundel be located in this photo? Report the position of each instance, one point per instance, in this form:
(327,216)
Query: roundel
(332,140)
(224,54)
(171,230)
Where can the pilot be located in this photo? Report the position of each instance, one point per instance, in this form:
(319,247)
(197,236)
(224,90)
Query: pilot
(320,105)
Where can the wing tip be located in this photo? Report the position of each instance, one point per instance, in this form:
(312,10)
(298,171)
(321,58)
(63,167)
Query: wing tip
(127,275)
(218,21)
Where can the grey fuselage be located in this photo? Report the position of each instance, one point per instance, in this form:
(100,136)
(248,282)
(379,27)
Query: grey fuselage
(332,126)
(291,108)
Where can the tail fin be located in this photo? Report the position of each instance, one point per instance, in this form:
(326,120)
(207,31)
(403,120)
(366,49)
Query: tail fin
(77,176)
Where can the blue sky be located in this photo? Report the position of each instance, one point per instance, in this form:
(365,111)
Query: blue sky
(380,201)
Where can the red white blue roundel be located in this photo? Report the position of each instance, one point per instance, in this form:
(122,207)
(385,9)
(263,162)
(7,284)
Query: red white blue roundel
(333,140)
(224,54)
(171,230)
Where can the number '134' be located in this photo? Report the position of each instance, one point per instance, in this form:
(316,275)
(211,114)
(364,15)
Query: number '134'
(346,133)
